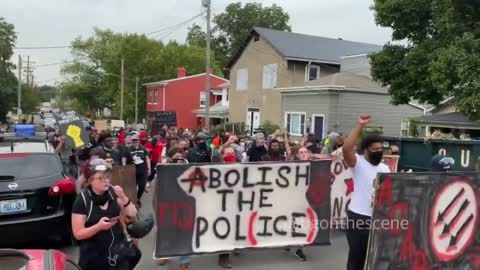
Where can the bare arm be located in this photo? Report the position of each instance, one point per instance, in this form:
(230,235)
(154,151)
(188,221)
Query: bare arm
(130,209)
(349,144)
(79,230)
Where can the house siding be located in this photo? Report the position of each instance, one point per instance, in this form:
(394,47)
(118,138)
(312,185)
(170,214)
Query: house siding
(319,103)
(296,72)
(254,57)
(382,113)
(359,65)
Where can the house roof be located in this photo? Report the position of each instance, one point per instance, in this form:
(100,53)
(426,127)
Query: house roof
(349,81)
(453,120)
(164,82)
(295,46)
(217,110)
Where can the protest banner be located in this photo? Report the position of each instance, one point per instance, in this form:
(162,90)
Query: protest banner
(101,125)
(425,221)
(342,186)
(71,126)
(124,176)
(224,207)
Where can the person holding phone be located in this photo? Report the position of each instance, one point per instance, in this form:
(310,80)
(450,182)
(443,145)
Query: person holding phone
(95,214)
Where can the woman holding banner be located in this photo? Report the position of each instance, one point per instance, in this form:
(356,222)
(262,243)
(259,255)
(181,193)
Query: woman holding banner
(365,166)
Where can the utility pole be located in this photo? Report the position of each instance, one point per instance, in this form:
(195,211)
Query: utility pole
(19,101)
(207,4)
(28,70)
(121,90)
(136,102)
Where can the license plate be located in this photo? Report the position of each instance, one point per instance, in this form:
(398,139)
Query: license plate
(13,206)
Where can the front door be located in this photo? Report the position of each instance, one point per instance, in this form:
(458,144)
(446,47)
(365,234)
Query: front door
(318,122)
(253,119)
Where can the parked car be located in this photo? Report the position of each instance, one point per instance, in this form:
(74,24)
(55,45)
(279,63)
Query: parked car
(12,259)
(35,195)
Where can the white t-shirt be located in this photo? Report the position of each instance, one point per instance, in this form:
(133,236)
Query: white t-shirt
(364,175)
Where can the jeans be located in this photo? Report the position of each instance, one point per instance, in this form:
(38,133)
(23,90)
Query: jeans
(357,239)
(141,183)
(185,259)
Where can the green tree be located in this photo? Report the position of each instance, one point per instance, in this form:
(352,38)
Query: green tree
(8,81)
(31,98)
(47,92)
(441,57)
(235,23)
(94,80)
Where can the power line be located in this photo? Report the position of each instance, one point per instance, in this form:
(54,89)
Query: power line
(176,25)
(53,64)
(42,48)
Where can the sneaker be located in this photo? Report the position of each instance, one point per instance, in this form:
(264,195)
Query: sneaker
(300,255)
(224,261)
(162,262)
(185,266)
(147,187)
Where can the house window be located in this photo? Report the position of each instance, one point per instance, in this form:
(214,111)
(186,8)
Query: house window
(150,96)
(269,76)
(155,97)
(242,79)
(313,72)
(405,128)
(295,123)
(203,99)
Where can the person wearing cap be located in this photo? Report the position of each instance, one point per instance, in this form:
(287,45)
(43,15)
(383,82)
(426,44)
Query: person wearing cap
(258,148)
(441,163)
(140,157)
(201,153)
(95,222)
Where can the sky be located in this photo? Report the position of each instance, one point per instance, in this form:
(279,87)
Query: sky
(47,23)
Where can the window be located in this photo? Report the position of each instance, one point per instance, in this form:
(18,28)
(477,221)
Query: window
(203,99)
(269,76)
(242,79)
(150,96)
(313,72)
(405,128)
(155,96)
(295,123)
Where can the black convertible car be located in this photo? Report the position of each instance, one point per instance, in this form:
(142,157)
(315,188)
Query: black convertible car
(35,195)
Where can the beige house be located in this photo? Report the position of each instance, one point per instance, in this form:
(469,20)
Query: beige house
(274,59)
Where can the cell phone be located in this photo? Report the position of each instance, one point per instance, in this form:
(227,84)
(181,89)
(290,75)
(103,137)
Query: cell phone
(114,219)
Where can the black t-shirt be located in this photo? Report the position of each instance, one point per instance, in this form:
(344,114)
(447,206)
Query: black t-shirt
(255,153)
(96,247)
(139,157)
(125,153)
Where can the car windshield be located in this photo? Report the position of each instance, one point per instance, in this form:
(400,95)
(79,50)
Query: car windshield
(28,166)
(23,147)
(13,262)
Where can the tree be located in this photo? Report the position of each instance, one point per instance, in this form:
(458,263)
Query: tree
(94,81)
(196,36)
(235,23)
(31,98)
(8,81)
(441,56)
(47,92)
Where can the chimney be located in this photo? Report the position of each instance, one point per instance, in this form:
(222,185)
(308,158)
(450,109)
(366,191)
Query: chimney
(181,72)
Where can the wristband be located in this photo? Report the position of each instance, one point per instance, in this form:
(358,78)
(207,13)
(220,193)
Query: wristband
(128,203)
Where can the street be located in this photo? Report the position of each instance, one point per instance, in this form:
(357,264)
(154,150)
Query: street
(320,257)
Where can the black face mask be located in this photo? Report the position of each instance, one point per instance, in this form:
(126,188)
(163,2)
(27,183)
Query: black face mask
(202,145)
(99,199)
(177,160)
(375,157)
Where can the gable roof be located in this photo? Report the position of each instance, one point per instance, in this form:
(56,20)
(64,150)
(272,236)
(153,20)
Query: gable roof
(350,81)
(295,46)
(455,120)
(164,82)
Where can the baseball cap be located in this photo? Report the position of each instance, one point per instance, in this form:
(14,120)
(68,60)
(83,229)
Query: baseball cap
(135,137)
(201,136)
(259,136)
(96,165)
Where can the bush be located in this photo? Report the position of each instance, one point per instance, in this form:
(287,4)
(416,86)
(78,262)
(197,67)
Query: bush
(269,127)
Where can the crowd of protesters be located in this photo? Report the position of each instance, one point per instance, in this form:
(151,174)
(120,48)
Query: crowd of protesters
(171,145)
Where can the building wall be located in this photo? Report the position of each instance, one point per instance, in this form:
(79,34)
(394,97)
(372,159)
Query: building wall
(183,96)
(382,113)
(359,65)
(297,72)
(341,110)
(254,57)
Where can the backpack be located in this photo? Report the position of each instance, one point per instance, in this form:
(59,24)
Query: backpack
(87,199)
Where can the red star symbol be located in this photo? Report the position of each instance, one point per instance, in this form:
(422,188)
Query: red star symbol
(349,184)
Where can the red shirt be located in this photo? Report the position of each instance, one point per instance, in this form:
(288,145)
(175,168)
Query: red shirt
(155,151)
(121,139)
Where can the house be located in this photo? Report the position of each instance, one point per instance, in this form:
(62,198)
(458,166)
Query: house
(180,97)
(219,108)
(273,59)
(334,102)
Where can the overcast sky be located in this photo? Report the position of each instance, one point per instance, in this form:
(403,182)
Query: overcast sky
(58,22)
